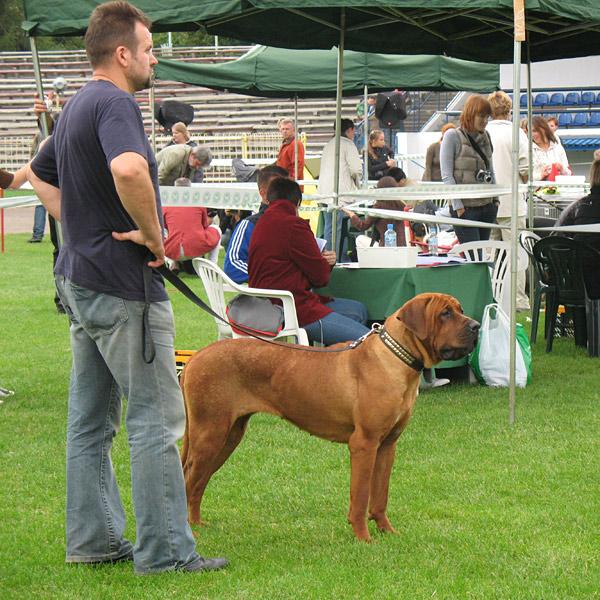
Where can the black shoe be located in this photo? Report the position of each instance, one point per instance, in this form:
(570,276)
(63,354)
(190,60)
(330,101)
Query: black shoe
(205,564)
(34,240)
(108,561)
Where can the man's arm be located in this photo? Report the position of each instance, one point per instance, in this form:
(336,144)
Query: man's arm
(134,186)
(305,253)
(48,194)
(236,257)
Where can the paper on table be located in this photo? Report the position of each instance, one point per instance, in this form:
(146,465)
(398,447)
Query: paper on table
(321,243)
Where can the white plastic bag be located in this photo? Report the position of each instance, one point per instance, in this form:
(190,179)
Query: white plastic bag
(491,358)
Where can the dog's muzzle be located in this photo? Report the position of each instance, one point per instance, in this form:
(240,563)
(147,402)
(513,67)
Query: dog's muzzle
(466,342)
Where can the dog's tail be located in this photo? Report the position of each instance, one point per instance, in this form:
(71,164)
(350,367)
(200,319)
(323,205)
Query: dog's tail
(185,443)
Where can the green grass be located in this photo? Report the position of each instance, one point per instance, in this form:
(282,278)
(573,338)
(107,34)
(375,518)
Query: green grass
(483,510)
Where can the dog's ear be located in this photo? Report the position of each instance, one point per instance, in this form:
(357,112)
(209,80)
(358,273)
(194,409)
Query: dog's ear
(413,315)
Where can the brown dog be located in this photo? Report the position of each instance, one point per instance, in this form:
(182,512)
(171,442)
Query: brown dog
(362,397)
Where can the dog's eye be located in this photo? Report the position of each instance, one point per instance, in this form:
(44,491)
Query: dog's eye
(446,313)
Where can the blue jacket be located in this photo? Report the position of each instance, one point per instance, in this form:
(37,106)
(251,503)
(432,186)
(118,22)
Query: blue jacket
(236,257)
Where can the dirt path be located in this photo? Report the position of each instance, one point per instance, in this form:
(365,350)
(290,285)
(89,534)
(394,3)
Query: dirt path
(19,220)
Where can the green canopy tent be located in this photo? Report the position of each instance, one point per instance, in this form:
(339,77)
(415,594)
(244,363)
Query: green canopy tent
(490,30)
(278,72)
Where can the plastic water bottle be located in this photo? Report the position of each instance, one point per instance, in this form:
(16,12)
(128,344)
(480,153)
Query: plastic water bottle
(389,239)
(433,240)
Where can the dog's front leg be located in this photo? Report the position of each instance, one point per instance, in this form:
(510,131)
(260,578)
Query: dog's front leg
(363,452)
(380,484)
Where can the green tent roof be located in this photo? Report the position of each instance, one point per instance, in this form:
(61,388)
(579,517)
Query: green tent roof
(468,29)
(275,72)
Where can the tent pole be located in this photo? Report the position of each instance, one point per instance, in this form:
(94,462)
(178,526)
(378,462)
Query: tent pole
(338,125)
(152,120)
(519,15)
(365,182)
(530,201)
(37,72)
(297,133)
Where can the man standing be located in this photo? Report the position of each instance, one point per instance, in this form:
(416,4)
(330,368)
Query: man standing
(500,130)
(181,160)
(236,258)
(349,177)
(122,327)
(287,151)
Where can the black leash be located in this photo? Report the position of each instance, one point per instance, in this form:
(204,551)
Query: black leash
(148,346)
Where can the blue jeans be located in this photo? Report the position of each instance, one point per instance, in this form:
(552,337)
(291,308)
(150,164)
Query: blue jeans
(346,323)
(328,230)
(107,363)
(485,214)
(39,222)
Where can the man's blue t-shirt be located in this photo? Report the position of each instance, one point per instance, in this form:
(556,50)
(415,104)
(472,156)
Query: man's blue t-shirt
(98,124)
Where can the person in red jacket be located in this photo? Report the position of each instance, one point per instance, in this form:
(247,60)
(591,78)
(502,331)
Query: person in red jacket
(191,232)
(285,158)
(284,255)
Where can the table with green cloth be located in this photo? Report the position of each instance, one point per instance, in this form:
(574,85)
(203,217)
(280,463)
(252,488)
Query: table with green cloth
(383,291)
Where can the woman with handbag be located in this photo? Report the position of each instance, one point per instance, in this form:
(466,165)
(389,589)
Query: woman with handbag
(466,157)
(549,157)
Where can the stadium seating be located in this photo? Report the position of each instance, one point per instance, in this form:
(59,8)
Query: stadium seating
(572,99)
(594,120)
(541,99)
(557,99)
(564,120)
(580,119)
(587,97)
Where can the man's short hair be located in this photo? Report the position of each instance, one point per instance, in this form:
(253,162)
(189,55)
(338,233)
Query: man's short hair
(387,182)
(283,120)
(111,25)
(202,154)
(397,173)
(267,173)
(345,124)
(282,188)
(182,182)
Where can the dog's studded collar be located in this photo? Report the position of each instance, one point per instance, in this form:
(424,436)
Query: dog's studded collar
(399,350)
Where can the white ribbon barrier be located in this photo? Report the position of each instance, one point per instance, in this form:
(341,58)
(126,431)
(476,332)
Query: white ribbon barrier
(17,201)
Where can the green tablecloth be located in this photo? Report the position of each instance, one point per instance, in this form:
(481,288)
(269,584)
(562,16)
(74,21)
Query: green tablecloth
(385,290)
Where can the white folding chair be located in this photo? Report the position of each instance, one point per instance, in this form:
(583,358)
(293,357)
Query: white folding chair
(497,253)
(216,283)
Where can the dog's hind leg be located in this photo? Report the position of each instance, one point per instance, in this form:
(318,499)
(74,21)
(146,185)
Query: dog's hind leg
(380,484)
(236,433)
(205,445)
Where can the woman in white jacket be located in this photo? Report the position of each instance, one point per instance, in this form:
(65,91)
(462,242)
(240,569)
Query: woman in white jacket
(549,157)
(350,173)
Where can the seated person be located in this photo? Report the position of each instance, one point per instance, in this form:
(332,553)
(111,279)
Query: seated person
(191,232)
(381,158)
(236,257)
(284,255)
(399,175)
(381,224)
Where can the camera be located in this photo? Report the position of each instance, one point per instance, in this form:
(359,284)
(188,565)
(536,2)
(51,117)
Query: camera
(483,176)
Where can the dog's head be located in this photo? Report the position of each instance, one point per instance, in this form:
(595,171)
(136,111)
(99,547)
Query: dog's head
(438,323)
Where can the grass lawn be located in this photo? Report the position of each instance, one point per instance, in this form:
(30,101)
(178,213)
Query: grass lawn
(483,510)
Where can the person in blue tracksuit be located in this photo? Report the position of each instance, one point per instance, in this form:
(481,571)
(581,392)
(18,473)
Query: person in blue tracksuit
(236,257)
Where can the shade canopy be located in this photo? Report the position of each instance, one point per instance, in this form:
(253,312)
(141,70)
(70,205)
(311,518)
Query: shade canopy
(276,72)
(468,29)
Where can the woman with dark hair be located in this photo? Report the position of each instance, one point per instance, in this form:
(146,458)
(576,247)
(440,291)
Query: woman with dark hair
(381,158)
(466,157)
(549,157)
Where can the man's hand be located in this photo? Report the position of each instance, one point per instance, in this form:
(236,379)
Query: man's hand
(460,212)
(135,236)
(329,256)
(347,212)
(391,163)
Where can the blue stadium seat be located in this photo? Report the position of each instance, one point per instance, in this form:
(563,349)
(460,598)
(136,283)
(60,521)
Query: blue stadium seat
(564,120)
(541,99)
(580,120)
(557,99)
(594,119)
(572,99)
(523,100)
(597,98)
(587,97)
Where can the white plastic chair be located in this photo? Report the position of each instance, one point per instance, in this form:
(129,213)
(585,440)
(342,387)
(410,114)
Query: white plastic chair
(216,283)
(498,253)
